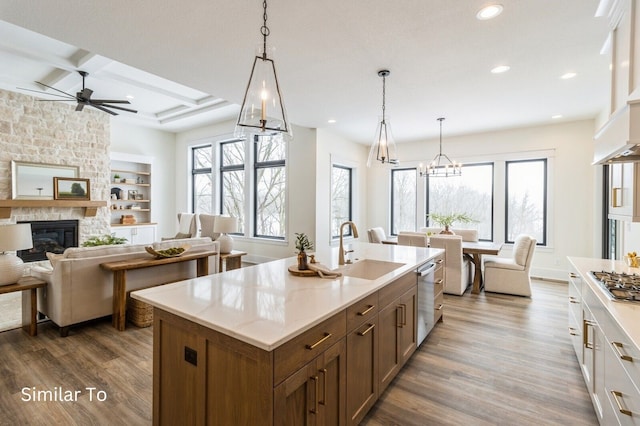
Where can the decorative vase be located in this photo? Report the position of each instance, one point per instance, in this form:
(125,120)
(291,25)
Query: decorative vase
(446,231)
(302,261)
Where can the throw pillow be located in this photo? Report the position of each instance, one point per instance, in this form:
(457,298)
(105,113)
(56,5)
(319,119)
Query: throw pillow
(180,235)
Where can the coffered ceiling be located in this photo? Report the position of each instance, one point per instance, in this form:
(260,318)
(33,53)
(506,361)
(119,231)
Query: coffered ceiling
(187,63)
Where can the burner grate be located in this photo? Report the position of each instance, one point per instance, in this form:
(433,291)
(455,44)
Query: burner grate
(619,285)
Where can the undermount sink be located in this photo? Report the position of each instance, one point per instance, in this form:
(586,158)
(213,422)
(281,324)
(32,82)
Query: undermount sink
(369,269)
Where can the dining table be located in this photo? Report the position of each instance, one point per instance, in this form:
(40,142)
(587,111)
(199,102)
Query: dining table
(473,250)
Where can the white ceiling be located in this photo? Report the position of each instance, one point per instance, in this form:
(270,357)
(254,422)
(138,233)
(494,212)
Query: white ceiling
(188,62)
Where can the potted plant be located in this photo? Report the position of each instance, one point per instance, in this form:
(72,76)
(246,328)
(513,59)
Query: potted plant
(302,244)
(116,178)
(105,240)
(446,220)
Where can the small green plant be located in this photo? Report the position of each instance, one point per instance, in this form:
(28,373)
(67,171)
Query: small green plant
(303,243)
(447,220)
(104,240)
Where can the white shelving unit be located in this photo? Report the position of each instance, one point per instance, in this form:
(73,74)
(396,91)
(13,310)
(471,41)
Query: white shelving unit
(131,196)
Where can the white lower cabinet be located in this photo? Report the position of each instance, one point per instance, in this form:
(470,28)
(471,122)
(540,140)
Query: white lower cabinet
(142,234)
(609,361)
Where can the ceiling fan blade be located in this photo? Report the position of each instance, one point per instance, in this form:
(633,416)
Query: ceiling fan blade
(70,98)
(109,101)
(80,106)
(101,108)
(117,107)
(53,88)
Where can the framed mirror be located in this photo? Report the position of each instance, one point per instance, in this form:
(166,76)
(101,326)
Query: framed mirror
(34,181)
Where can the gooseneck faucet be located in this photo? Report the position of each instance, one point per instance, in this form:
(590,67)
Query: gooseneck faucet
(341,250)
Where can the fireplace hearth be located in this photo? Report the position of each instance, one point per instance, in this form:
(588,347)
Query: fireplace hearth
(52,236)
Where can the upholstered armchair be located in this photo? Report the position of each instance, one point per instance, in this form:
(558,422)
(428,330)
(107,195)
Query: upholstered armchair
(416,239)
(511,275)
(376,235)
(458,269)
(187,227)
(206,226)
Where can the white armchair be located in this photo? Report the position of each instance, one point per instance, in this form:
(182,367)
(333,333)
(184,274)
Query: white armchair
(187,227)
(457,269)
(376,235)
(511,276)
(206,226)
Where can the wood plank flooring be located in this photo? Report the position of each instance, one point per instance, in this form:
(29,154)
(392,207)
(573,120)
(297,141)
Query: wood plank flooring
(495,360)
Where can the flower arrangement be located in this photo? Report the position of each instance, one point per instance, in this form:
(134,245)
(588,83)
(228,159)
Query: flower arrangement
(446,220)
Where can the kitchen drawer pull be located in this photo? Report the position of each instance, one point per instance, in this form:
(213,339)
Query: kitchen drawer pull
(326,336)
(440,306)
(573,300)
(324,386)
(315,409)
(439,261)
(616,395)
(403,320)
(585,334)
(362,333)
(440,281)
(617,346)
(572,275)
(366,311)
(572,331)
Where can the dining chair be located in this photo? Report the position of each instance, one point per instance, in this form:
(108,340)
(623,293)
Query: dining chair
(376,235)
(511,275)
(416,239)
(457,268)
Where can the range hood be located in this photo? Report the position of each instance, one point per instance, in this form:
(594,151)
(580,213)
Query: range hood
(618,141)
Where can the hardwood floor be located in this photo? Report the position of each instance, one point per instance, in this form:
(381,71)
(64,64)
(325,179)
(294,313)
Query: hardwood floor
(495,360)
(10,310)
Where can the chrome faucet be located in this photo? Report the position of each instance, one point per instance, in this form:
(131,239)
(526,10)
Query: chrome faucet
(341,250)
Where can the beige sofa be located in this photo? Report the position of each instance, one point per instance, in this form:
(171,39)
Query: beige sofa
(79,290)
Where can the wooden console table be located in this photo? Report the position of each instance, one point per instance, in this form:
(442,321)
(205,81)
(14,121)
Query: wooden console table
(230,261)
(29,302)
(121,267)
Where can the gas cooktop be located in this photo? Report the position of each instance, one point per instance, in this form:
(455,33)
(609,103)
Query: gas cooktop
(619,285)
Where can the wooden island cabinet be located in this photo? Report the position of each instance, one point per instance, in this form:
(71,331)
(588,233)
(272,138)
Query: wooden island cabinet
(329,374)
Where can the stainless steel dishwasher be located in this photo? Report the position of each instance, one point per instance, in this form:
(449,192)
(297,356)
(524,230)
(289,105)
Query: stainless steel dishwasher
(426,277)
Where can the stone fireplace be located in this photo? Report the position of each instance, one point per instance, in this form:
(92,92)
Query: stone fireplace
(50,236)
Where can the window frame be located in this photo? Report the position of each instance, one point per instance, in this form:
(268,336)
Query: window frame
(195,172)
(392,198)
(256,165)
(545,198)
(350,197)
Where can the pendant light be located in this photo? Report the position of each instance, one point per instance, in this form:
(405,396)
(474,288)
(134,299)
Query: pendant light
(383,148)
(441,165)
(262,108)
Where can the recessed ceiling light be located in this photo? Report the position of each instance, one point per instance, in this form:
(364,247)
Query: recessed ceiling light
(331,121)
(489,12)
(555,117)
(500,69)
(568,75)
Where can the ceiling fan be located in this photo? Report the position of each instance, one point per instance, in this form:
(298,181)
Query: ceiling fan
(83,98)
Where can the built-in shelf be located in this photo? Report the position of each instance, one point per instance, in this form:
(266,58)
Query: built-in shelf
(90,207)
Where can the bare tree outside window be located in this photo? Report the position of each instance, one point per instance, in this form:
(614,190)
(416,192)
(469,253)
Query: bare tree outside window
(526,199)
(270,184)
(202,179)
(403,200)
(232,180)
(470,193)
(341,198)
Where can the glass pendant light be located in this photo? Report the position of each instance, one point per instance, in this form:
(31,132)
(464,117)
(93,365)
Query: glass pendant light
(441,165)
(262,108)
(383,148)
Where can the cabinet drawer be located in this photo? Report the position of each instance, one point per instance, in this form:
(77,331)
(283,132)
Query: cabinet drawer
(625,352)
(621,392)
(301,349)
(438,306)
(397,288)
(362,311)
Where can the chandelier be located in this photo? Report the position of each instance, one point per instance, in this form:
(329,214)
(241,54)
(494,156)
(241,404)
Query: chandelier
(262,107)
(383,148)
(441,165)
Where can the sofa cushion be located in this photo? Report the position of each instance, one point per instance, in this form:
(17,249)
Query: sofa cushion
(82,252)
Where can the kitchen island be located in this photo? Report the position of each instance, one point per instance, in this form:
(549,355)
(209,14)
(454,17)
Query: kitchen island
(258,345)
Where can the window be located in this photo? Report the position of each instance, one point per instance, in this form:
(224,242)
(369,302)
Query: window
(270,182)
(341,198)
(470,193)
(526,199)
(232,180)
(202,179)
(403,200)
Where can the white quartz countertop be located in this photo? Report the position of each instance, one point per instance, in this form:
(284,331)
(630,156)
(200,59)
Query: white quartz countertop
(265,305)
(626,314)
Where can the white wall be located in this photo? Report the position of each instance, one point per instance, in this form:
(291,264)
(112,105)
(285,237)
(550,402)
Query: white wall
(301,169)
(160,145)
(574,218)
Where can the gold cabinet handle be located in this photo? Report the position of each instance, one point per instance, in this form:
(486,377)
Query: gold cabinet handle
(572,331)
(617,346)
(616,197)
(439,261)
(440,281)
(366,311)
(616,395)
(403,315)
(440,306)
(324,386)
(362,333)
(315,409)
(573,275)
(573,300)
(326,336)
(585,334)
